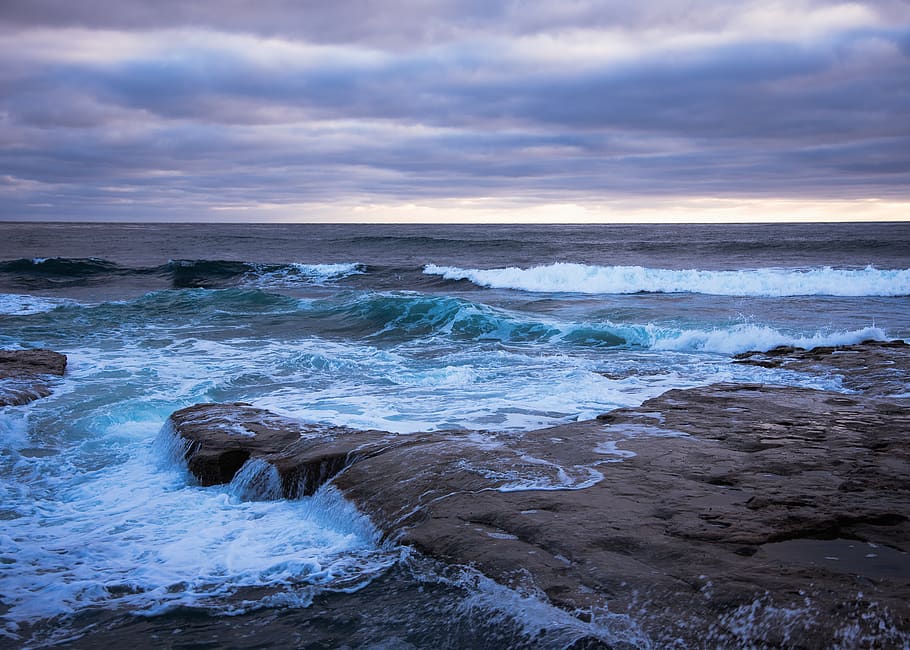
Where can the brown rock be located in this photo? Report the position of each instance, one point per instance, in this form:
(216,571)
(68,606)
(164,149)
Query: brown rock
(871,367)
(220,438)
(24,374)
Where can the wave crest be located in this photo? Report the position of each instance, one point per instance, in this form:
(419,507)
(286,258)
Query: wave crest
(204,273)
(396,317)
(207,273)
(748,337)
(563,277)
(281,275)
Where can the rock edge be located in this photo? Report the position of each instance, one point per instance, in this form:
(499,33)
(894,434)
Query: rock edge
(24,374)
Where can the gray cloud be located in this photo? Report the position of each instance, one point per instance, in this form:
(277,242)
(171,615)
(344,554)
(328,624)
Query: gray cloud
(398,24)
(395,23)
(177,130)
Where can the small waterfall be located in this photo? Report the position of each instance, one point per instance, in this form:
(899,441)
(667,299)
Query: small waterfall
(170,448)
(257,480)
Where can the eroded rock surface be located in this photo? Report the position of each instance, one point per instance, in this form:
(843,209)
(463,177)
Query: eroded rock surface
(871,367)
(716,516)
(24,374)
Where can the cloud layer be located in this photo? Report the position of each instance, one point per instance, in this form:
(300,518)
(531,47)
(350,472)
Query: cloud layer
(312,110)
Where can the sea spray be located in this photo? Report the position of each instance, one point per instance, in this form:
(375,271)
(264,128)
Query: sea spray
(522,614)
(170,449)
(12,304)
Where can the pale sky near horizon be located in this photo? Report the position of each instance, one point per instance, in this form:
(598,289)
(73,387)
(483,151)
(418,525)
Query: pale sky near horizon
(455,110)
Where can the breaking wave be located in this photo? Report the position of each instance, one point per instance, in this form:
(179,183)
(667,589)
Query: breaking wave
(12,304)
(406,316)
(421,316)
(268,275)
(745,338)
(204,273)
(581,278)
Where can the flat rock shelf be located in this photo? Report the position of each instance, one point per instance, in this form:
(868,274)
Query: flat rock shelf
(727,514)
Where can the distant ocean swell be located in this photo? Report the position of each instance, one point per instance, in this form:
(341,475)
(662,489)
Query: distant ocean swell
(189,273)
(581,278)
(57,271)
(561,277)
(395,317)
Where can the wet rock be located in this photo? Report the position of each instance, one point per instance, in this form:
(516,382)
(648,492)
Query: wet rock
(729,515)
(220,438)
(24,374)
(871,367)
(682,522)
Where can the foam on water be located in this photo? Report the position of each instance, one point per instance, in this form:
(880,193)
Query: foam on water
(583,278)
(290,275)
(137,536)
(169,351)
(748,337)
(488,388)
(256,480)
(541,625)
(410,388)
(529,473)
(13,428)
(13,304)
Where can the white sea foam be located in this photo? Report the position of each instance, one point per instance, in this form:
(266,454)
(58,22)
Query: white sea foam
(133,536)
(343,383)
(583,278)
(295,274)
(257,480)
(611,448)
(528,474)
(544,625)
(13,304)
(746,337)
(13,428)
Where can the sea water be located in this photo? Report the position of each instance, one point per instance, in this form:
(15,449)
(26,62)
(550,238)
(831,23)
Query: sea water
(104,537)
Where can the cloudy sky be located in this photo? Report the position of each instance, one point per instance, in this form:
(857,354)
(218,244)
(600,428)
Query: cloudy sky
(401,110)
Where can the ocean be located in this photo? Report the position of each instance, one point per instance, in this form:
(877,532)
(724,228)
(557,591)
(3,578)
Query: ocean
(403,328)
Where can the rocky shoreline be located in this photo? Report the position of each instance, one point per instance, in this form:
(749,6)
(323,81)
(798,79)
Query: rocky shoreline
(727,514)
(24,374)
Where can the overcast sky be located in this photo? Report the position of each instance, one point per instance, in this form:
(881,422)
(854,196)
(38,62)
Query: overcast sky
(551,110)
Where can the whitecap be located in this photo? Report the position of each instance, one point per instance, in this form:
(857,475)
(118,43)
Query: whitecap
(13,304)
(295,274)
(748,337)
(771,282)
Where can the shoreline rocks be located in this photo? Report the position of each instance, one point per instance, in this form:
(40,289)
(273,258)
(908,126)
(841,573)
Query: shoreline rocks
(24,374)
(724,515)
(871,367)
